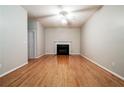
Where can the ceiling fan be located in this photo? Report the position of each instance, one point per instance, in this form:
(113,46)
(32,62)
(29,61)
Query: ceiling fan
(65,15)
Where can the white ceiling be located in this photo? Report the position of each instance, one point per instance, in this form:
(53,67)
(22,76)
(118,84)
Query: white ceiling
(49,16)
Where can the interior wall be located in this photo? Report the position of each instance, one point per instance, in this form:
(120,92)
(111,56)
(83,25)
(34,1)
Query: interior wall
(37,29)
(13,31)
(102,38)
(1,44)
(62,34)
(40,40)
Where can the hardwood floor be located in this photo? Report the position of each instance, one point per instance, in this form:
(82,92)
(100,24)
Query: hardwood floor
(52,71)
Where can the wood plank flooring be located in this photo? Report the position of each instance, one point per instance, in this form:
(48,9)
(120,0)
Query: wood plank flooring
(61,71)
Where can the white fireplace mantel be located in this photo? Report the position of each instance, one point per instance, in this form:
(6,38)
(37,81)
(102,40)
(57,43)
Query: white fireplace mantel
(63,42)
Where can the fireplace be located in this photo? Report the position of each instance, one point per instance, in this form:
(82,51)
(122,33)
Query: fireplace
(62,49)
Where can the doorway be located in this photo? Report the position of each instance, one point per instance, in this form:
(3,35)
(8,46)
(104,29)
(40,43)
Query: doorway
(31,44)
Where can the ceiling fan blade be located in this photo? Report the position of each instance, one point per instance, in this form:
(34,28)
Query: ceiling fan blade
(87,9)
(50,15)
(45,16)
(60,7)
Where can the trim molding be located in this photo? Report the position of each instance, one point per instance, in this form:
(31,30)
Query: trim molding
(69,54)
(13,70)
(75,54)
(49,53)
(36,57)
(115,74)
(39,56)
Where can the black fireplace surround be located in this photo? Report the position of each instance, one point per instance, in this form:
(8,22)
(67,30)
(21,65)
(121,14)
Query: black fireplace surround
(62,49)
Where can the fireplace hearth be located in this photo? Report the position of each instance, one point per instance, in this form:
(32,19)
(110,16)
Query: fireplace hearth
(62,49)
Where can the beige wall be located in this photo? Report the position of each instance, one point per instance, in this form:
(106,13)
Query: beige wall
(13,29)
(62,34)
(40,40)
(1,45)
(102,38)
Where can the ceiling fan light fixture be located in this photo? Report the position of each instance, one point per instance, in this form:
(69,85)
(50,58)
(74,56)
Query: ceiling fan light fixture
(70,16)
(57,11)
(61,16)
(64,21)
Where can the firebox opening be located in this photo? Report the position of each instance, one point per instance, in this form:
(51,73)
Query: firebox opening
(62,49)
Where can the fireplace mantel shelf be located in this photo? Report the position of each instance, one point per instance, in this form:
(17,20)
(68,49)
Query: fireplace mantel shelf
(62,41)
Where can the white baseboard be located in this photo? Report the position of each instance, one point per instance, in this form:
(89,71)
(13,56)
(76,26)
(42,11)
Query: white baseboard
(75,54)
(40,56)
(36,57)
(13,70)
(115,74)
(49,53)
(69,54)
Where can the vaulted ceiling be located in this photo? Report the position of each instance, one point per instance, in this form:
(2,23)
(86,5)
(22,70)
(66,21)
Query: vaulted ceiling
(61,15)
